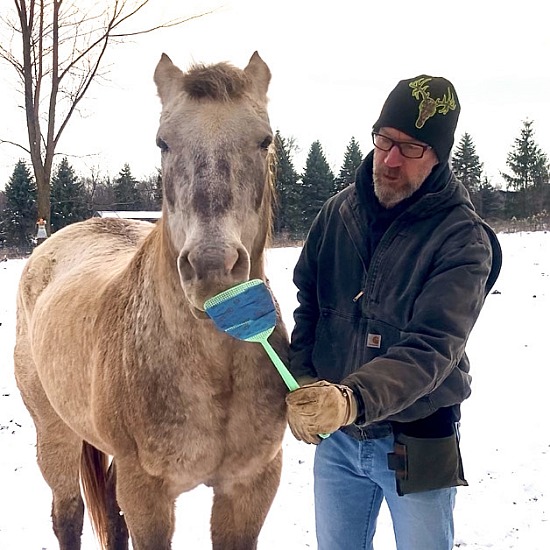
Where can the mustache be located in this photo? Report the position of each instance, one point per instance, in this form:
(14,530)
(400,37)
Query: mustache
(391,172)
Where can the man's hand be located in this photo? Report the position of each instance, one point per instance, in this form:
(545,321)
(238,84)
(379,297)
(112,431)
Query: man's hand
(320,408)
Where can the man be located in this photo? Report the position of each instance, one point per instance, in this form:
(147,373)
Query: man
(391,280)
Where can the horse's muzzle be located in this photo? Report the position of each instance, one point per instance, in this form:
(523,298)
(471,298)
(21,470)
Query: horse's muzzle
(208,270)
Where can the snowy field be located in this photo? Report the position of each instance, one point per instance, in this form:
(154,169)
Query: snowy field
(505,433)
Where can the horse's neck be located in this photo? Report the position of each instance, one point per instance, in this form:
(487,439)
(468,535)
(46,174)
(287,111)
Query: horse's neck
(156,279)
(257,267)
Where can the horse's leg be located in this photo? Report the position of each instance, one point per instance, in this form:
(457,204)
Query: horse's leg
(240,508)
(147,506)
(58,453)
(117,537)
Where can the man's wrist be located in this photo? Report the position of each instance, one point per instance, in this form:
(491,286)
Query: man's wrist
(352,405)
(359,407)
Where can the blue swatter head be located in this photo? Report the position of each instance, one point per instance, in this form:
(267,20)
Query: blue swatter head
(245,311)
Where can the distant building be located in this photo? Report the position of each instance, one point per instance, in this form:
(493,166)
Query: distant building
(146,215)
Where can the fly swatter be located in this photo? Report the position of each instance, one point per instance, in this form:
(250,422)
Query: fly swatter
(247,312)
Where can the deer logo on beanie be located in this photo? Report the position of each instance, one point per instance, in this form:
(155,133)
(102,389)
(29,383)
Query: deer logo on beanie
(428,105)
(425,108)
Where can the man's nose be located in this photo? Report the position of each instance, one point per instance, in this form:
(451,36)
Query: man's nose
(394,158)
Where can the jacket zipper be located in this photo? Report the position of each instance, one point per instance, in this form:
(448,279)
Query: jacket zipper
(358,296)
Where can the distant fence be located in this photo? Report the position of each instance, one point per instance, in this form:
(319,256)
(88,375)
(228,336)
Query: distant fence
(11,252)
(537,222)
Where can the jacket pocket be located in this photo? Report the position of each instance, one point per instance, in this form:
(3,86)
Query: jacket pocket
(378,337)
(425,464)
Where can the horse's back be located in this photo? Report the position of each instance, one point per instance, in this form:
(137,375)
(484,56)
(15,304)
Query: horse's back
(83,245)
(96,247)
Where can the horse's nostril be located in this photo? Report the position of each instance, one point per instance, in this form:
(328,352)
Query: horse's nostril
(185,267)
(241,267)
(231,257)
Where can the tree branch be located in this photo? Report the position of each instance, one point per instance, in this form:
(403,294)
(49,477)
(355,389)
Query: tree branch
(167,25)
(15,145)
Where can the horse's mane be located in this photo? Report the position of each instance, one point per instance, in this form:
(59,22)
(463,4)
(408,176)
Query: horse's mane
(221,82)
(270,192)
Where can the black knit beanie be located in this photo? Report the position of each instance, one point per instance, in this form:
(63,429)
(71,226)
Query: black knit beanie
(425,108)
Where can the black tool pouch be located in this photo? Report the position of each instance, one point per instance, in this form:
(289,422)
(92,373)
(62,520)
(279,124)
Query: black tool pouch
(424,464)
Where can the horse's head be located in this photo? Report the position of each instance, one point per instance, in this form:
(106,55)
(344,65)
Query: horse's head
(215,139)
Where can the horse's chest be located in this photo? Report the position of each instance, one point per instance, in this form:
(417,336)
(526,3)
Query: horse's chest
(193,445)
(192,428)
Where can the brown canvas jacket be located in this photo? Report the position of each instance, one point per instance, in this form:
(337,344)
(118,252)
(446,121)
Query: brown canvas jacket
(395,333)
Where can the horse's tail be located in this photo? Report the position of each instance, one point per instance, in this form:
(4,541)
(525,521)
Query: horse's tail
(93,474)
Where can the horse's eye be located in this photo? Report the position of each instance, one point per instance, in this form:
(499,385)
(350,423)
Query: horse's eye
(266,142)
(163,146)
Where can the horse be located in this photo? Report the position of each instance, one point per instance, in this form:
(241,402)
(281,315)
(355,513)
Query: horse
(134,393)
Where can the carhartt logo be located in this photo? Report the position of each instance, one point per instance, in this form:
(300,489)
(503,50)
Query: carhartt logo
(374,341)
(429,106)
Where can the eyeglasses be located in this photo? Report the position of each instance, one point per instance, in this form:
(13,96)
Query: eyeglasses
(408,149)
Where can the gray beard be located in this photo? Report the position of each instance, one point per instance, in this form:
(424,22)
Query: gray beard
(388,197)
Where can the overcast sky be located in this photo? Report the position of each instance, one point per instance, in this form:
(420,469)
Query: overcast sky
(333,65)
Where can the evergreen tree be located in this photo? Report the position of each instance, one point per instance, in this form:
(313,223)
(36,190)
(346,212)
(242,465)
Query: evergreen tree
(126,191)
(68,197)
(468,168)
(530,172)
(20,213)
(466,164)
(352,160)
(287,212)
(317,185)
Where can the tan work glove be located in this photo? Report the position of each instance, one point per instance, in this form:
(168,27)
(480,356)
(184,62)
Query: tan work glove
(320,408)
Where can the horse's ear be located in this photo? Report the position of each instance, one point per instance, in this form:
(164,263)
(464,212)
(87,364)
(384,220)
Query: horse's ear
(259,74)
(167,78)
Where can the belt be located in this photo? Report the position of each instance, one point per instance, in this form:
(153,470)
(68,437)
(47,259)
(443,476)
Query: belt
(372,431)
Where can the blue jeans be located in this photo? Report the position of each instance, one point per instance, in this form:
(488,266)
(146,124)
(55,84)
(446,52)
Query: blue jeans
(350,480)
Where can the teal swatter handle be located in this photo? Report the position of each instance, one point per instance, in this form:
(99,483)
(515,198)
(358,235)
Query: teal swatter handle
(286,375)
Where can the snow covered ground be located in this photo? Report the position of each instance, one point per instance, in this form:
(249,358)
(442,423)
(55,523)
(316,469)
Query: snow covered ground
(505,433)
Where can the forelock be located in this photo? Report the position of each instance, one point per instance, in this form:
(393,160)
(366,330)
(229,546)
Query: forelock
(220,82)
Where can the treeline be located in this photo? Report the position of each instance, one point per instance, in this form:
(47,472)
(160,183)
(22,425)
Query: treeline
(523,196)
(73,198)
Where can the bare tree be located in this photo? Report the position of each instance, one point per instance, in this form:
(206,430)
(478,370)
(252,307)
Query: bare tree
(63,52)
